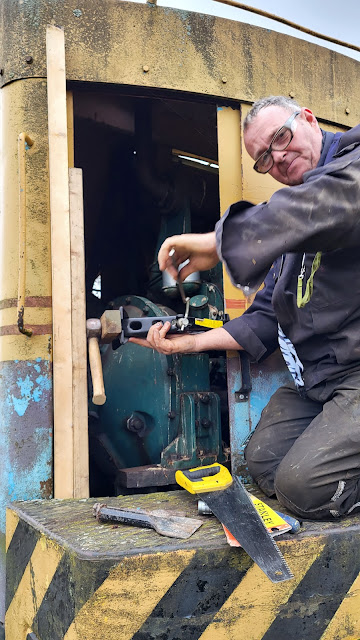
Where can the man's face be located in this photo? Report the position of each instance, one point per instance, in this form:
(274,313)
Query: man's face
(303,152)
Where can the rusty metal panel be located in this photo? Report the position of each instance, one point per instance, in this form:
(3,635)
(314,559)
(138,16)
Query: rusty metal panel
(156,47)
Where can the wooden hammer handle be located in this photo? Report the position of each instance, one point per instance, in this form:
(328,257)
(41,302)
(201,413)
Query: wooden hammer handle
(99,396)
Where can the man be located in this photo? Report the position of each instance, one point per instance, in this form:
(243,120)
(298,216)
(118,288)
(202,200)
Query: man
(305,244)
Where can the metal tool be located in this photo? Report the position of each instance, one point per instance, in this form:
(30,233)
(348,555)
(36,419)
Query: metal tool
(185,299)
(139,327)
(231,504)
(164,522)
(293,523)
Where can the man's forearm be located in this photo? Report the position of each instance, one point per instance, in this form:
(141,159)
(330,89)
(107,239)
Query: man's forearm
(217,339)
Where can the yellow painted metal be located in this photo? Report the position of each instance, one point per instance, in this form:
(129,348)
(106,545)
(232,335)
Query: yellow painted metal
(12,521)
(24,109)
(288,23)
(127,597)
(345,625)
(24,139)
(70,126)
(13,347)
(32,588)
(258,600)
(183,51)
(141,575)
(60,263)
(230,189)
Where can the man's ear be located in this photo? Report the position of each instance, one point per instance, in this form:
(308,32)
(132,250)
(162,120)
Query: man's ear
(308,115)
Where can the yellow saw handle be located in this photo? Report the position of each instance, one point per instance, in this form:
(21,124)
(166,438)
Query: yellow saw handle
(212,477)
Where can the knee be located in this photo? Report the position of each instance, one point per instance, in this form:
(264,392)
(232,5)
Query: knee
(296,490)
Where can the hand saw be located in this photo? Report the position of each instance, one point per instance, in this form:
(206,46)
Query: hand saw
(231,504)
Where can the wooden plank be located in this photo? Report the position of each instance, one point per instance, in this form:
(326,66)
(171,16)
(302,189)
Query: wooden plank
(78,316)
(60,264)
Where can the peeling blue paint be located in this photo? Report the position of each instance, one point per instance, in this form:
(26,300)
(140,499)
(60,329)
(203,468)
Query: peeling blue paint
(26,424)
(30,390)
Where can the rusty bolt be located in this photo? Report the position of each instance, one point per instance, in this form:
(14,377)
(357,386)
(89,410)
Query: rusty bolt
(291,94)
(28,59)
(347,111)
(224,80)
(145,68)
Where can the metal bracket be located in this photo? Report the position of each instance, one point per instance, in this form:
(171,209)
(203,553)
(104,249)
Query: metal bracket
(242,395)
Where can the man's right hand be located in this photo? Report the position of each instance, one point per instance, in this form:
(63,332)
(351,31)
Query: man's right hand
(198,248)
(159,339)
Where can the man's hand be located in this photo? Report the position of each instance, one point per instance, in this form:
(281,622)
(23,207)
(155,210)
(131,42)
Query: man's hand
(198,248)
(157,339)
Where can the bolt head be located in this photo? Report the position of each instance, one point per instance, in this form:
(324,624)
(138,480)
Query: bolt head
(28,59)
(145,68)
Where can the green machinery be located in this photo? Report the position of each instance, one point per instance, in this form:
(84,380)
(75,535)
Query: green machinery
(162,412)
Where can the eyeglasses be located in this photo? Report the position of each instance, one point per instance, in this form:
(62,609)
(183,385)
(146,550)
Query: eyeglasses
(280,141)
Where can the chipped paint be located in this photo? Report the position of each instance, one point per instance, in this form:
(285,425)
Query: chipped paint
(29,389)
(25,437)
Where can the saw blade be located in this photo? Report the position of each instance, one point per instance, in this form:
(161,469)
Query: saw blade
(235,509)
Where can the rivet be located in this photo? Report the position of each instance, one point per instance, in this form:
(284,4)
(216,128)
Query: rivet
(28,59)
(145,68)
(347,110)
(291,94)
(224,80)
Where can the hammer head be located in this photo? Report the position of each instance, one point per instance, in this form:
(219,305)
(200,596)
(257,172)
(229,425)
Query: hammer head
(93,328)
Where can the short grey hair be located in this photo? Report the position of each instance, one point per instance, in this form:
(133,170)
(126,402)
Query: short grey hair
(271,101)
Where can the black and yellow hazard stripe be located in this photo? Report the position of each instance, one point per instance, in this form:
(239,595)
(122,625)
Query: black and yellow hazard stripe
(184,594)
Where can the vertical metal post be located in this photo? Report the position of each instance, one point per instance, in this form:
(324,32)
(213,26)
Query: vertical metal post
(231,190)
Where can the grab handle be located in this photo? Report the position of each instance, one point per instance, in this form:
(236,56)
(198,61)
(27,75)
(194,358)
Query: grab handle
(23,140)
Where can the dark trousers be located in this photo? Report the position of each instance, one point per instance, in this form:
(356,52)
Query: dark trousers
(306,451)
